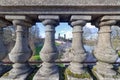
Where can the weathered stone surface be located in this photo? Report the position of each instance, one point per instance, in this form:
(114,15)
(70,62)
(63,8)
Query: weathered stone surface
(59,2)
(104,51)
(20,54)
(4,23)
(72,78)
(49,53)
(110,17)
(108,54)
(59,7)
(3,54)
(48,71)
(103,71)
(78,53)
(48,17)
(19,17)
(80,17)
(3,51)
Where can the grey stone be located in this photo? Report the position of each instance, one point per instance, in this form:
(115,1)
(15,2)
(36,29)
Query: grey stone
(49,53)
(4,69)
(47,71)
(19,17)
(53,17)
(72,78)
(78,54)
(110,17)
(3,51)
(3,54)
(78,17)
(104,52)
(103,71)
(20,54)
(64,7)
(59,2)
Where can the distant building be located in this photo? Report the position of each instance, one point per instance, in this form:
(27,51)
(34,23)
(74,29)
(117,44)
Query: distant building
(61,38)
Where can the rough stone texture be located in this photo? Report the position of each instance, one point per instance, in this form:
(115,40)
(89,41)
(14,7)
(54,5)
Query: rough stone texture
(72,78)
(3,51)
(78,52)
(27,20)
(104,52)
(43,17)
(3,54)
(20,54)
(110,17)
(59,2)
(63,7)
(80,17)
(103,71)
(49,53)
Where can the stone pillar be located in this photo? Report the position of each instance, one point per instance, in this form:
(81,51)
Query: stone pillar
(3,52)
(49,53)
(104,51)
(75,70)
(21,52)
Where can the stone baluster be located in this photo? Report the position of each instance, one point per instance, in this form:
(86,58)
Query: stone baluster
(21,52)
(49,53)
(104,51)
(78,52)
(3,50)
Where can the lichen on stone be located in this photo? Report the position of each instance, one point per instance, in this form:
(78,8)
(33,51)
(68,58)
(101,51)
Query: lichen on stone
(82,76)
(94,69)
(6,74)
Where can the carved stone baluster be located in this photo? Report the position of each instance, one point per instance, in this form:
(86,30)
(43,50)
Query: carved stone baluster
(21,52)
(49,53)
(3,50)
(104,51)
(77,53)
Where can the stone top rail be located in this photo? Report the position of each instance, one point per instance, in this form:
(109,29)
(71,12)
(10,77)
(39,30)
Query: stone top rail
(59,3)
(64,8)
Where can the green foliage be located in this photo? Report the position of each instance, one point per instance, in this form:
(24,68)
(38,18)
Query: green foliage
(31,76)
(38,49)
(115,77)
(57,44)
(36,57)
(83,75)
(61,72)
(6,74)
(94,69)
(119,53)
(61,65)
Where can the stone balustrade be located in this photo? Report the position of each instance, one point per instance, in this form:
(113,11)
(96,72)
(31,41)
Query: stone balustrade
(21,52)
(22,14)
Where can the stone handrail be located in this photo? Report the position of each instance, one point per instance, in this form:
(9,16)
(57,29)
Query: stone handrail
(59,3)
(24,13)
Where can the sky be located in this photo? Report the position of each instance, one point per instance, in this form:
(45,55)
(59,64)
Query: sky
(64,28)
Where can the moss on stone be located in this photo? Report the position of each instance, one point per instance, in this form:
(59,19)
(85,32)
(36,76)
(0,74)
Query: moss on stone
(31,76)
(115,76)
(94,69)
(102,75)
(82,76)
(6,74)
